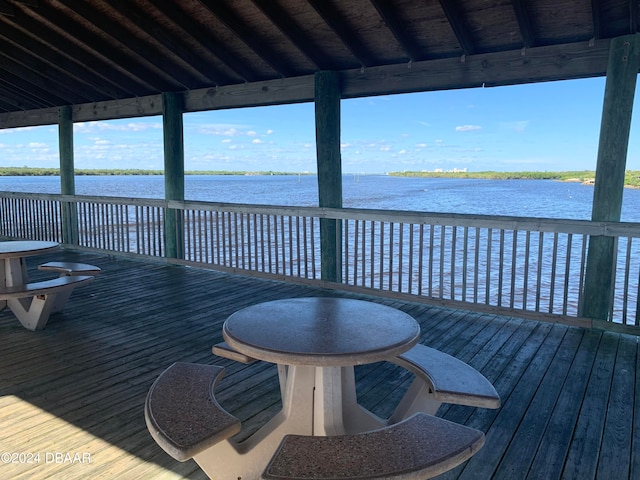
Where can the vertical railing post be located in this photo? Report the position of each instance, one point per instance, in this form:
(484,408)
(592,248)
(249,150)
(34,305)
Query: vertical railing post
(172,110)
(622,72)
(327,114)
(69,210)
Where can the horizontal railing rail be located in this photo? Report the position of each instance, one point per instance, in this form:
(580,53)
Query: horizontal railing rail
(530,265)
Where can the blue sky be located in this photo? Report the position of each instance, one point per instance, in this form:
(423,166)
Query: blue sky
(547,126)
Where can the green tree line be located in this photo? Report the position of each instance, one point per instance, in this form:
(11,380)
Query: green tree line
(632,177)
(48,172)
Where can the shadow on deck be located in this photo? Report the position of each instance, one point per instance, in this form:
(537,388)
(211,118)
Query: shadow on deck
(72,395)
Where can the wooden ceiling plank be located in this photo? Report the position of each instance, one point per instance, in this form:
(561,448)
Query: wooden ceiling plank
(296,35)
(7,9)
(64,87)
(48,77)
(633,16)
(110,77)
(458,26)
(597,18)
(71,65)
(138,59)
(524,22)
(20,100)
(386,9)
(225,15)
(347,36)
(180,54)
(206,39)
(45,97)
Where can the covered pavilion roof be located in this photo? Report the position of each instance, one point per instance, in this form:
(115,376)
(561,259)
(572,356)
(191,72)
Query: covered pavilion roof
(114,58)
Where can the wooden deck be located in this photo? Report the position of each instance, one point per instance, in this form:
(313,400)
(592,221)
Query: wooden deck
(74,393)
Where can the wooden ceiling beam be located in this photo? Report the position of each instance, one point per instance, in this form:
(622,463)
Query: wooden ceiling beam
(386,9)
(194,70)
(346,34)
(524,22)
(31,75)
(204,37)
(135,56)
(555,62)
(18,98)
(7,9)
(633,16)
(458,25)
(88,55)
(597,18)
(290,29)
(23,47)
(225,15)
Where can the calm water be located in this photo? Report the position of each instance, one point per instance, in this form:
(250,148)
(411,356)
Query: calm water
(531,198)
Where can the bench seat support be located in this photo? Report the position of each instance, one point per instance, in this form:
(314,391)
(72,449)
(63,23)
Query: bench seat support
(441,378)
(34,302)
(224,350)
(419,447)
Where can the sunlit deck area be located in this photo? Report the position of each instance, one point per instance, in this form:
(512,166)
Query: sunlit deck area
(72,395)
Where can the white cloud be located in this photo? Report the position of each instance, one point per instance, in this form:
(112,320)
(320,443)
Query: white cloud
(256,141)
(115,126)
(38,145)
(517,126)
(468,128)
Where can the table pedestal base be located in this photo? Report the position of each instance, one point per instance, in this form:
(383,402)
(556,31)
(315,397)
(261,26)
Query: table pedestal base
(316,401)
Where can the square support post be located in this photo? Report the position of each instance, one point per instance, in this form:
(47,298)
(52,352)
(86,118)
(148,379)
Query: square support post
(67,175)
(622,73)
(327,113)
(172,110)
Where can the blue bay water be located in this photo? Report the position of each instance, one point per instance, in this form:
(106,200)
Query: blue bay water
(529,198)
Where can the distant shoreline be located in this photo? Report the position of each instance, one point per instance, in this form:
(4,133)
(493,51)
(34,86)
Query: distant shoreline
(587,177)
(53,172)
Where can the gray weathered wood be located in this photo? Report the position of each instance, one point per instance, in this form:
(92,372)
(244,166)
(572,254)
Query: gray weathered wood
(96,362)
(67,173)
(173,170)
(622,73)
(554,62)
(327,112)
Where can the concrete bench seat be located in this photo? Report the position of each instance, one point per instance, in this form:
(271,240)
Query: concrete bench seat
(182,413)
(45,287)
(70,268)
(441,378)
(419,447)
(33,302)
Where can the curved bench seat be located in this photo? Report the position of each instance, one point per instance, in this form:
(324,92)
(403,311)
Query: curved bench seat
(441,378)
(182,413)
(419,447)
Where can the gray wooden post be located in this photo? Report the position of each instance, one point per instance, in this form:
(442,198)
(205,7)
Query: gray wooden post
(67,175)
(172,109)
(622,72)
(327,113)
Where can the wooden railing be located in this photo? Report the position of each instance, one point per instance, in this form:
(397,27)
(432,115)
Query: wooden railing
(529,266)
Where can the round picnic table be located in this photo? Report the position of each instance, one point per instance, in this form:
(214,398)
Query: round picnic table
(13,267)
(316,342)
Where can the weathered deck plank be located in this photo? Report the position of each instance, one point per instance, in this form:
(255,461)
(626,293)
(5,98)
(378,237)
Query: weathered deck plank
(78,386)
